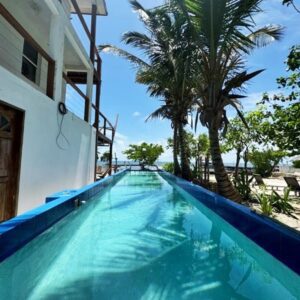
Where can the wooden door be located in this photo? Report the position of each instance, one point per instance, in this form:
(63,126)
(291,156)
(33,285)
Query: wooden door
(11,130)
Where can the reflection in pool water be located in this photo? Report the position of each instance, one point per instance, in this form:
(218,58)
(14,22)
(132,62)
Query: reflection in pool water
(144,238)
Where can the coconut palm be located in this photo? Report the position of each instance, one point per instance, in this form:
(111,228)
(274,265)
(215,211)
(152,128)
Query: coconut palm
(224,32)
(166,72)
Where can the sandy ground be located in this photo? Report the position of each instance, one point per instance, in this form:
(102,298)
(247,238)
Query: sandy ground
(278,184)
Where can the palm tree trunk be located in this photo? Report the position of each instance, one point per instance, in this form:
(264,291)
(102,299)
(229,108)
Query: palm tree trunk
(185,166)
(225,187)
(177,170)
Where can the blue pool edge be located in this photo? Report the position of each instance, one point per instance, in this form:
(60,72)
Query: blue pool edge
(277,239)
(280,241)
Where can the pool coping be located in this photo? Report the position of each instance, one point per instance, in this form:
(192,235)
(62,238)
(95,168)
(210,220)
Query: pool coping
(18,231)
(277,239)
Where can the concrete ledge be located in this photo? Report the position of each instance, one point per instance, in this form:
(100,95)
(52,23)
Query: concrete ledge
(17,232)
(279,240)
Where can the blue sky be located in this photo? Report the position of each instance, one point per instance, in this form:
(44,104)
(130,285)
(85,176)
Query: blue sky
(121,95)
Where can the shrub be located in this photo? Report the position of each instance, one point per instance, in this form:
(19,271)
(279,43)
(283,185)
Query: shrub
(242,184)
(296,164)
(265,203)
(169,167)
(265,161)
(145,154)
(280,204)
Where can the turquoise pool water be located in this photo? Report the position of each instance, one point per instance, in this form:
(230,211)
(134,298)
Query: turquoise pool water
(144,238)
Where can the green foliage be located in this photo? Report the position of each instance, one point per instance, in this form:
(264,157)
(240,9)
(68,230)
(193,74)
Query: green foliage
(292,3)
(284,108)
(240,137)
(196,146)
(145,154)
(242,184)
(265,203)
(195,60)
(275,202)
(105,157)
(296,164)
(265,161)
(281,204)
(169,167)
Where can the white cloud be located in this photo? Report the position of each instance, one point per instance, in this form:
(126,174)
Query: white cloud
(136,114)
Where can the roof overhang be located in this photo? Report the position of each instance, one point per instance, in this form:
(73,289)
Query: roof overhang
(85,7)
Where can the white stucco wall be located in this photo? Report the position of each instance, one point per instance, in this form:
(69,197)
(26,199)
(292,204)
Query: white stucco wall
(11,54)
(45,168)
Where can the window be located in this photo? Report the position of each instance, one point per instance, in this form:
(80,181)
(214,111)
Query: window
(4,124)
(29,62)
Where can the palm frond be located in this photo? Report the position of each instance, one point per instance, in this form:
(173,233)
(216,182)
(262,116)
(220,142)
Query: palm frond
(240,114)
(138,40)
(239,79)
(122,53)
(160,113)
(266,35)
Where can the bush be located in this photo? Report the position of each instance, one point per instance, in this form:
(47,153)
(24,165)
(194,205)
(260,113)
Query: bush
(265,203)
(242,184)
(265,161)
(280,204)
(296,164)
(169,167)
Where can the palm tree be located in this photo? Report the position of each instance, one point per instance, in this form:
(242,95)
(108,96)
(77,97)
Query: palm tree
(166,70)
(223,31)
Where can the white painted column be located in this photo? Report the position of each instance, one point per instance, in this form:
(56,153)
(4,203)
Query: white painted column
(56,49)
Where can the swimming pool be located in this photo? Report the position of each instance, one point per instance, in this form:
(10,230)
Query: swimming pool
(144,238)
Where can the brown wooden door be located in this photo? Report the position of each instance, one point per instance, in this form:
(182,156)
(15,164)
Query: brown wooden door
(11,129)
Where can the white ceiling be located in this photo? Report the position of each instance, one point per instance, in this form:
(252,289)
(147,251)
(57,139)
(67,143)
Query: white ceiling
(86,6)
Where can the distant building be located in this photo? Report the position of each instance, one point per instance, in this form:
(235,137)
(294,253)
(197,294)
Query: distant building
(43,67)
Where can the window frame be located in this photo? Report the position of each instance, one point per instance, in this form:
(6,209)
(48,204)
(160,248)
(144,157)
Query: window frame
(36,65)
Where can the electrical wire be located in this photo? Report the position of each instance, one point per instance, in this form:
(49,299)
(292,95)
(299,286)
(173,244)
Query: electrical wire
(60,133)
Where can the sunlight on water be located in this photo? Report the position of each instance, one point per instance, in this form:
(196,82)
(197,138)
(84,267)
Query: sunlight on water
(144,239)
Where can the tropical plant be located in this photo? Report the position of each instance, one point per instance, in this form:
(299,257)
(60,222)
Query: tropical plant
(172,143)
(145,154)
(169,167)
(292,3)
(281,204)
(196,147)
(105,157)
(167,72)
(284,108)
(265,202)
(275,202)
(242,184)
(224,31)
(264,161)
(242,139)
(296,164)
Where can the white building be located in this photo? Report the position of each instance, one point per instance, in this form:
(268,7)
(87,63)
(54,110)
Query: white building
(42,62)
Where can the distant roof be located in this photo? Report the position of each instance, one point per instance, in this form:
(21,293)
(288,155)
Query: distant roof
(86,7)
